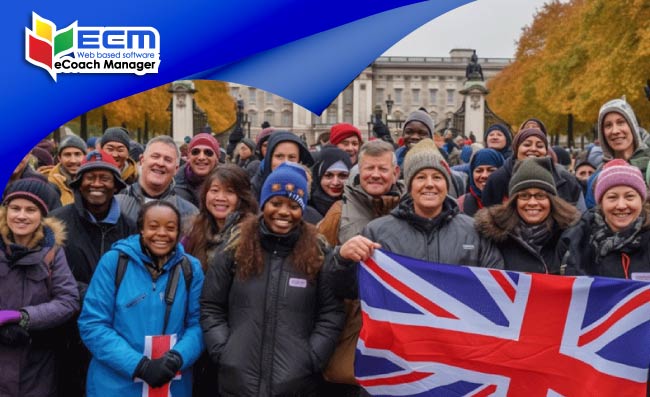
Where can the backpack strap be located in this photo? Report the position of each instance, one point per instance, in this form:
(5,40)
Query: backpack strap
(122,262)
(48,260)
(172,287)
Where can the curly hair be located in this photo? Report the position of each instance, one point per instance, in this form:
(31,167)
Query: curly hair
(233,177)
(307,255)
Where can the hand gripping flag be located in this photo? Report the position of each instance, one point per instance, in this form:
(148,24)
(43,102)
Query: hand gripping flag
(442,330)
(155,346)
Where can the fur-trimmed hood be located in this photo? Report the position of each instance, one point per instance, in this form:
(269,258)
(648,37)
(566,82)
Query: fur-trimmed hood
(51,230)
(487,227)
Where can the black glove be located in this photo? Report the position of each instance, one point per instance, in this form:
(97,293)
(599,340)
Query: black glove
(159,371)
(13,335)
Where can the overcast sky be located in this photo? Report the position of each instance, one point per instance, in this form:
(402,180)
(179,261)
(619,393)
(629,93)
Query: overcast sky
(492,27)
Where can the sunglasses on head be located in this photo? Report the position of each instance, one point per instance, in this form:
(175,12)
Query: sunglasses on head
(207,152)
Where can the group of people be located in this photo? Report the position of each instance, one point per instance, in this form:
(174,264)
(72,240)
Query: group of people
(120,274)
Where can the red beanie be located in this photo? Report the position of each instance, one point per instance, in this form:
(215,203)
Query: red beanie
(341,131)
(204,139)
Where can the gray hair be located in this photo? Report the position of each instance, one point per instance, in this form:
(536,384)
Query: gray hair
(167,140)
(377,148)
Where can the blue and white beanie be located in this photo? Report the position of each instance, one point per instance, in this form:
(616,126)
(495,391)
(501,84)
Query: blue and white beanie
(287,180)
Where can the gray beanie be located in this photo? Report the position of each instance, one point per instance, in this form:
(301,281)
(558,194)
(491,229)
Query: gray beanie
(72,141)
(532,173)
(624,109)
(423,117)
(116,134)
(424,155)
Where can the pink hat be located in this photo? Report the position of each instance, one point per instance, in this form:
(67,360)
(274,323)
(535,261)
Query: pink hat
(204,139)
(619,173)
(341,131)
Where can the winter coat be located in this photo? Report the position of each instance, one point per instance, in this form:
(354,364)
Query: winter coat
(271,333)
(59,178)
(348,216)
(90,239)
(50,298)
(132,198)
(186,188)
(580,257)
(113,325)
(496,188)
(449,238)
(517,254)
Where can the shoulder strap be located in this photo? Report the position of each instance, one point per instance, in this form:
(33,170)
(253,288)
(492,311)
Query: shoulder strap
(48,259)
(122,262)
(172,287)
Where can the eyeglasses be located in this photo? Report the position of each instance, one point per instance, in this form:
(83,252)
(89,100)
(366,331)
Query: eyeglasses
(539,196)
(197,151)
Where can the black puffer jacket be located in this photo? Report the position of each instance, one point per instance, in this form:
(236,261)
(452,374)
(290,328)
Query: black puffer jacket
(581,258)
(272,333)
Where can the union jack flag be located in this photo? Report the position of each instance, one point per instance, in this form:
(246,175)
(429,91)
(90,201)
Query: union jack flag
(443,330)
(155,346)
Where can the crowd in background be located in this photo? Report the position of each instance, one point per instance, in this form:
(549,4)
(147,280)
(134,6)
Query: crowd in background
(125,266)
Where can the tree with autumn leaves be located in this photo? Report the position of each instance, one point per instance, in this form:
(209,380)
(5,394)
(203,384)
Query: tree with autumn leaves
(573,58)
(213,97)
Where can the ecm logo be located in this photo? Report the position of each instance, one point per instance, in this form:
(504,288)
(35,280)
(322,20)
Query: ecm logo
(76,49)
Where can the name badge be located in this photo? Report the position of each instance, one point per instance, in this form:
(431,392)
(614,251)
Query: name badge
(641,276)
(468,246)
(298,282)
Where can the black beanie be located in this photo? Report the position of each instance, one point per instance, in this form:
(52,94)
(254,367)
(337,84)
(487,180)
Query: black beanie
(116,134)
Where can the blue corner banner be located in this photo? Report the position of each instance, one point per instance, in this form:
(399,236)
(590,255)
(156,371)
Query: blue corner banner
(63,58)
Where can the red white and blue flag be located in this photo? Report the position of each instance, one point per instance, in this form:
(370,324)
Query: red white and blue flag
(443,330)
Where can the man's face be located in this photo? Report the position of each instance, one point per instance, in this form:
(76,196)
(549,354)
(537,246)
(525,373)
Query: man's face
(159,165)
(202,160)
(378,173)
(285,151)
(97,188)
(414,132)
(70,159)
(119,152)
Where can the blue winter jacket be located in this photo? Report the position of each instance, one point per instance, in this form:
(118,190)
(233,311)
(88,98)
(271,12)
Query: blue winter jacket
(114,327)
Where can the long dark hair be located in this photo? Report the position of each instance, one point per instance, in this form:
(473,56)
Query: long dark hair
(231,176)
(506,217)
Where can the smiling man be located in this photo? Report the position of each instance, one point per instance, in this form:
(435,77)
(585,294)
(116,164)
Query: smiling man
(116,142)
(202,158)
(71,152)
(159,163)
(93,223)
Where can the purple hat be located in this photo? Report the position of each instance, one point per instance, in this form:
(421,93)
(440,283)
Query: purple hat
(619,173)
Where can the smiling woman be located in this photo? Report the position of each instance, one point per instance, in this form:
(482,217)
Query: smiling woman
(279,262)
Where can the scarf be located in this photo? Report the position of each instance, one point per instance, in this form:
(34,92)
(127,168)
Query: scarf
(605,241)
(534,236)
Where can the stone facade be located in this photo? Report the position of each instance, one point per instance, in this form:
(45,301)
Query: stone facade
(411,83)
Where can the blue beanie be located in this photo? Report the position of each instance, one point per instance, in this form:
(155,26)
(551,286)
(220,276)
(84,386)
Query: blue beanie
(287,180)
(466,153)
(483,157)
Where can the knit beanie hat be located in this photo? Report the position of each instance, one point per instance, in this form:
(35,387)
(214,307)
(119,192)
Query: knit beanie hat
(72,141)
(287,180)
(503,129)
(624,109)
(619,173)
(342,131)
(204,139)
(486,156)
(421,116)
(99,160)
(250,143)
(116,134)
(538,121)
(424,155)
(525,134)
(44,158)
(90,142)
(32,189)
(532,173)
(466,154)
